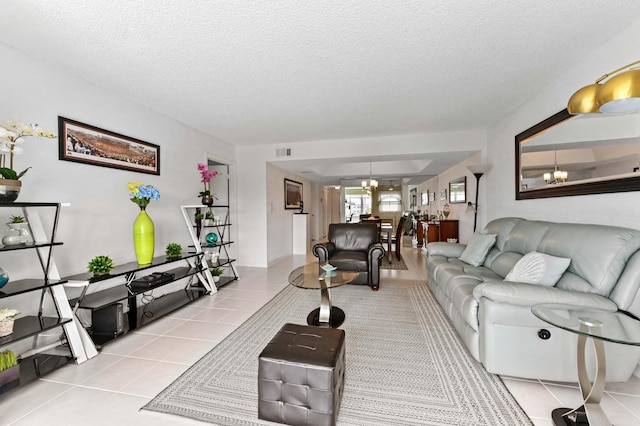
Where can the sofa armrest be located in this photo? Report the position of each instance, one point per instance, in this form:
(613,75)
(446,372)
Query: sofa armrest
(323,251)
(375,253)
(445,249)
(531,294)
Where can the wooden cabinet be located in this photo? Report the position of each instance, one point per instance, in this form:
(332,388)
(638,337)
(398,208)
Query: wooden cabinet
(420,232)
(442,230)
(448,229)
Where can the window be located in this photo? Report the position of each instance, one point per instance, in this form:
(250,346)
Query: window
(389,201)
(357,203)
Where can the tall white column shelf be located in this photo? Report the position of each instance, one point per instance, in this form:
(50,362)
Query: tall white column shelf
(300,233)
(201,221)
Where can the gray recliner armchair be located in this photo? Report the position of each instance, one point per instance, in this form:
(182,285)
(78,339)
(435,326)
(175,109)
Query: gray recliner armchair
(353,247)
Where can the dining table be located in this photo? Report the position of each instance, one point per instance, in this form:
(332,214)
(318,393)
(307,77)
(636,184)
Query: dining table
(387,228)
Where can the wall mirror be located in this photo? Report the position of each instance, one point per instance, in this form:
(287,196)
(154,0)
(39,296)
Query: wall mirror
(458,190)
(578,155)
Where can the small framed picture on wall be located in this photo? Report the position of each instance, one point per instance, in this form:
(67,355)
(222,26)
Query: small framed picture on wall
(432,196)
(443,194)
(292,194)
(424,198)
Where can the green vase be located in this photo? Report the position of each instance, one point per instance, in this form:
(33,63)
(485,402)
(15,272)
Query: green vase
(143,238)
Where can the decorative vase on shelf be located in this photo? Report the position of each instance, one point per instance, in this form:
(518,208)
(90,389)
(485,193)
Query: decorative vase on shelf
(143,238)
(6,327)
(22,237)
(207,198)
(4,277)
(9,190)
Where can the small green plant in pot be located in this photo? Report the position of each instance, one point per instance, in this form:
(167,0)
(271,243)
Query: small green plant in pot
(9,369)
(8,359)
(216,272)
(100,265)
(173,251)
(17,219)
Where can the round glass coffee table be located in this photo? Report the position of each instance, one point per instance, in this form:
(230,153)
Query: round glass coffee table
(312,276)
(600,326)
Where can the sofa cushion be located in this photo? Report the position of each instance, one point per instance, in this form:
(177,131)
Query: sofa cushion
(538,268)
(599,253)
(526,235)
(350,261)
(478,248)
(501,263)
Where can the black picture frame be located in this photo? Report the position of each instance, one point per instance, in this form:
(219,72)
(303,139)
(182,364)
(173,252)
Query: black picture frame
(292,194)
(589,187)
(424,198)
(83,143)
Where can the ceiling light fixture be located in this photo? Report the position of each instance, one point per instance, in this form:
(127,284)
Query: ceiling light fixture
(619,95)
(372,185)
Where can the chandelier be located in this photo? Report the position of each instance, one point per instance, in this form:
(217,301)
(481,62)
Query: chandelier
(372,185)
(559,176)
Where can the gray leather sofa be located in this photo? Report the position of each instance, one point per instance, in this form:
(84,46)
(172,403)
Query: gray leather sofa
(493,316)
(353,247)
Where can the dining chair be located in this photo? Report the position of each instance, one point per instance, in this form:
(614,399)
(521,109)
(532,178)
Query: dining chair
(396,240)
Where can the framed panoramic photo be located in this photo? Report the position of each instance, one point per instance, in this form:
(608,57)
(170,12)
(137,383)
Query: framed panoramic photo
(84,143)
(292,194)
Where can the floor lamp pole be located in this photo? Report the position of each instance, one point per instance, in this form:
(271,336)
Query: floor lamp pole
(475,210)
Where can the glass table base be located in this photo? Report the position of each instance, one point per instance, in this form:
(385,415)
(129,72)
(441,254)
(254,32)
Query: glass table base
(335,319)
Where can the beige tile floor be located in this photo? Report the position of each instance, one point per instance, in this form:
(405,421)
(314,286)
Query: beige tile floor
(110,388)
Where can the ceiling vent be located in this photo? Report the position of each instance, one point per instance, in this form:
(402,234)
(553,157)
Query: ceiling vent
(283,152)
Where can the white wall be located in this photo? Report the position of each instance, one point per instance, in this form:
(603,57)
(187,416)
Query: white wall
(99,220)
(279,220)
(617,209)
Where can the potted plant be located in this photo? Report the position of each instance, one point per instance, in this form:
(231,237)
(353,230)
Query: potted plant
(100,265)
(206,195)
(208,219)
(20,224)
(7,318)
(173,251)
(13,133)
(216,272)
(9,370)
(17,219)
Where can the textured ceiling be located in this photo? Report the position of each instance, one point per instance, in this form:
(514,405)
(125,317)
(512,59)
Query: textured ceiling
(252,72)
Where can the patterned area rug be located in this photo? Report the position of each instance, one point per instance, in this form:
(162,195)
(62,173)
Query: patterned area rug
(405,365)
(395,264)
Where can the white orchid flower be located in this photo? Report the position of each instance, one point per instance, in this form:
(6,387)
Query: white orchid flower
(13,133)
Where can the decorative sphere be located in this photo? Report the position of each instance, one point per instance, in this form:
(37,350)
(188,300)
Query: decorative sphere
(211,238)
(4,277)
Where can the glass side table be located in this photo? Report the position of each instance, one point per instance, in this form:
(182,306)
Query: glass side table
(600,326)
(311,276)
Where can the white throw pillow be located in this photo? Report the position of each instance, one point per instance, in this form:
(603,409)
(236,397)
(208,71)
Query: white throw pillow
(478,248)
(538,268)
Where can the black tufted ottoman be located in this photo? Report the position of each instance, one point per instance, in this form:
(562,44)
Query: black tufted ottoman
(301,375)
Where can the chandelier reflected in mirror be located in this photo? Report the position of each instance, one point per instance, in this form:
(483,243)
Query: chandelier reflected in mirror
(559,176)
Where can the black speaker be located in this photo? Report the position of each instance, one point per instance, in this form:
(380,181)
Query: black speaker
(108,320)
